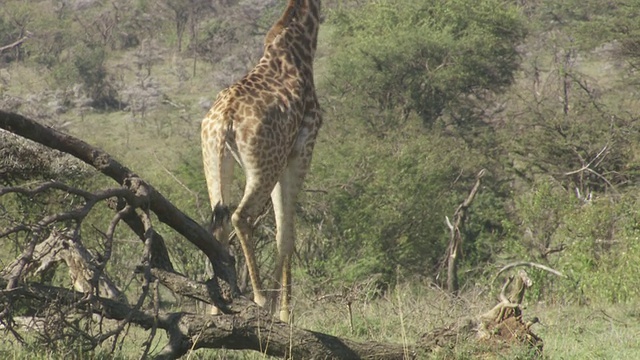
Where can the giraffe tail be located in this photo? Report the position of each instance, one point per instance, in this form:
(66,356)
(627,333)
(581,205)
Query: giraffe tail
(219,215)
(217,135)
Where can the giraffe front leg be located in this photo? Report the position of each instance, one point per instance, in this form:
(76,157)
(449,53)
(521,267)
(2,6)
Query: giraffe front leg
(285,299)
(283,198)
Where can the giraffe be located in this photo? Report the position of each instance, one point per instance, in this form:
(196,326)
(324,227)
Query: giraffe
(267,122)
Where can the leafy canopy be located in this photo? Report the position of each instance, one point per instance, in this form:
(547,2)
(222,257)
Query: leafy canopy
(395,57)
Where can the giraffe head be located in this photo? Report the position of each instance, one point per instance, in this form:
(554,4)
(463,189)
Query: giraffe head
(303,16)
(285,20)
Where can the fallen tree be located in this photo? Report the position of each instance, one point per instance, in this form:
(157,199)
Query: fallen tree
(95,300)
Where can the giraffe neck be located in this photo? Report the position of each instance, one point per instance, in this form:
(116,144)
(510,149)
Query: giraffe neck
(288,58)
(309,17)
(300,37)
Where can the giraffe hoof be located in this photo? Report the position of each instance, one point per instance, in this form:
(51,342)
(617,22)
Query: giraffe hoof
(284,316)
(259,299)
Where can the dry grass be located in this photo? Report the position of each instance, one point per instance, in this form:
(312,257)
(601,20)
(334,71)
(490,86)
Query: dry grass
(409,311)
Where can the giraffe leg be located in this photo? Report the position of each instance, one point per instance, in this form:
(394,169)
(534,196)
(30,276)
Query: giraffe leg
(251,206)
(284,197)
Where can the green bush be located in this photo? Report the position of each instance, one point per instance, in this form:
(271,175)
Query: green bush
(395,57)
(603,249)
(597,243)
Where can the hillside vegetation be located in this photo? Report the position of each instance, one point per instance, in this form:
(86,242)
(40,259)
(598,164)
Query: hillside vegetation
(419,97)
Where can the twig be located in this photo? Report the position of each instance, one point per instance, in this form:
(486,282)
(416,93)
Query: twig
(599,157)
(585,167)
(549,251)
(145,284)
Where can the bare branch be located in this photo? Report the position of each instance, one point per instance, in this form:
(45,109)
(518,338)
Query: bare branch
(456,240)
(166,212)
(159,254)
(16,43)
(603,178)
(548,251)
(599,157)
(600,153)
(530,264)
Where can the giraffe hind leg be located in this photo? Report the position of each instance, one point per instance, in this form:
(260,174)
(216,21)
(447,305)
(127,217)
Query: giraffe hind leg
(250,208)
(284,198)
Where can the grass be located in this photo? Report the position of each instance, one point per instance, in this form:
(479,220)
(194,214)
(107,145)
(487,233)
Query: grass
(403,315)
(593,332)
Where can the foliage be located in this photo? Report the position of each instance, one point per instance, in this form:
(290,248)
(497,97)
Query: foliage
(571,146)
(592,243)
(403,232)
(86,65)
(591,22)
(395,57)
(603,237)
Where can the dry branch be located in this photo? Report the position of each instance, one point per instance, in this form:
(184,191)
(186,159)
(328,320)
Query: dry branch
(223,263)
(529,264)
(15,43)
(455,242)
(159,254)
(65,247)
(252,329)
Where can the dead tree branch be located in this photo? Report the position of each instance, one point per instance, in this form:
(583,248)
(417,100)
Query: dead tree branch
(15,43)
(455,241)
(529,264)
(64,246)
(251,329)
(223,263)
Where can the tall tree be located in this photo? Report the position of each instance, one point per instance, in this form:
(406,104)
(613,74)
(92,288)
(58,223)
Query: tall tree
(398,57)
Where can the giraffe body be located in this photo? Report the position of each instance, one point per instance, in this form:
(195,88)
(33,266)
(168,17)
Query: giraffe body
(267,122)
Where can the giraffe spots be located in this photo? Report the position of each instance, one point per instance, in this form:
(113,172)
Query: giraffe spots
(249,101)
